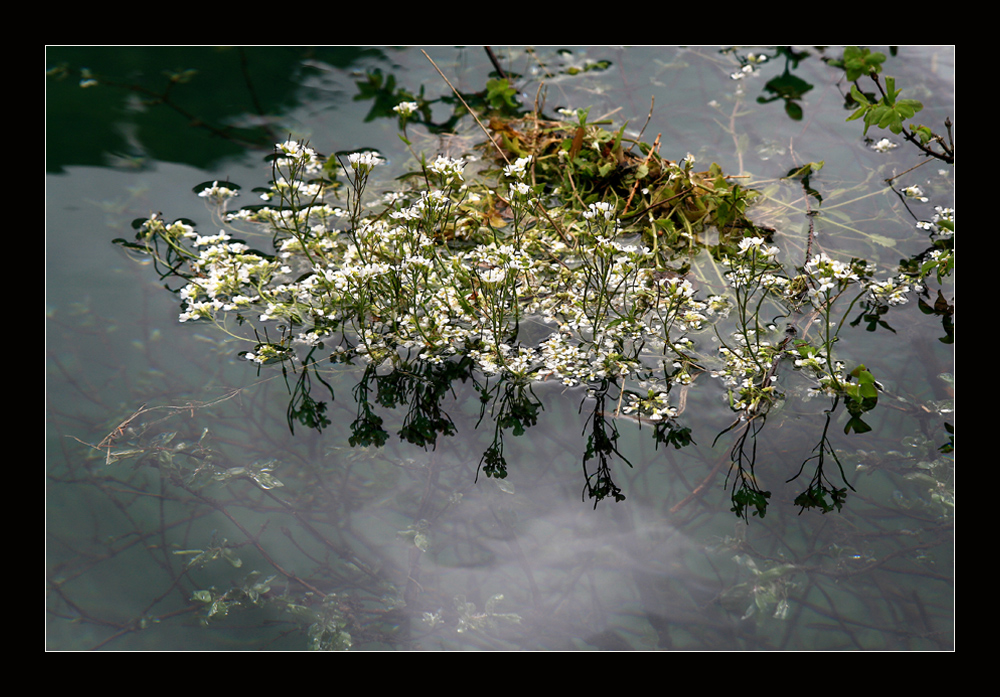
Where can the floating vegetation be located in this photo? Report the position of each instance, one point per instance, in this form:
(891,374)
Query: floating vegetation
(576,230)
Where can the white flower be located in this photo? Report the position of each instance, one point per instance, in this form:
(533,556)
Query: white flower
(495,275)
(751,245)
(518,169)
(217,193)
(405,108)
(411,213)
(521,188)
(294,149)
(884,145)
(447,167)
(183,229)
(601,208)
(203,240)
(892,291)
(364,161)
(915,192)
(944,214)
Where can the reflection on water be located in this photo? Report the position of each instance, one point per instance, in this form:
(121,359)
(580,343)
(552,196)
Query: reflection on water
(204,522)
(402,547)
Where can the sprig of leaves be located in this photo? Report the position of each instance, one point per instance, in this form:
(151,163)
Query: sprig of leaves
(888,112)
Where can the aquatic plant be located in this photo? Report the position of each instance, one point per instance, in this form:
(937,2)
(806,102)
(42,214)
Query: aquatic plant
(559,223)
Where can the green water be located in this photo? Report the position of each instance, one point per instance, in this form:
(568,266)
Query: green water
(406,543)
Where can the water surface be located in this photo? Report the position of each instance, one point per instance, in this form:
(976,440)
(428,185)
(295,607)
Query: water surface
(403,546)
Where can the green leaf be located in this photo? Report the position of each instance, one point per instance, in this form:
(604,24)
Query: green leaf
(861,61)
(857,425)
(859,97)
(500,95)
(906,108)
(890,91)
(859,371)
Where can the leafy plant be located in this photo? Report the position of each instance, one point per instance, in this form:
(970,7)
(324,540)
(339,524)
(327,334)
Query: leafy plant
(500,95)
(888,112)
(862,397)
(860,61)
(886,109)
(572,225)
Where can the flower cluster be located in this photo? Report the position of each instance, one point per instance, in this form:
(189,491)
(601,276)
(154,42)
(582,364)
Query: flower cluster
(403,278)
(892,291)
(601,209)
(655,405)
(748,370)
(364,162)
(406,108)
(750,66)
(829,276)
(754,264)
(449,169)
(298,153)
(942,222)
(218,194)
(565,359)
(518,169)
(884,145)
(226,276)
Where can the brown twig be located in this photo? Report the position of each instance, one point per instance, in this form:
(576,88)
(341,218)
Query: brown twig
(562,233)
(635,187)
(495,62)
